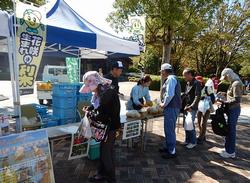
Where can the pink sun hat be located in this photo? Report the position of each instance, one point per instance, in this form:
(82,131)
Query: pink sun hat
(91,80)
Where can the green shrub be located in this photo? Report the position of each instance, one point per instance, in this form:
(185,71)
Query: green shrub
(133,70)
(156,83)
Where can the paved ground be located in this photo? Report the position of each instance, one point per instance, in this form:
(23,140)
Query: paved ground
(201,164)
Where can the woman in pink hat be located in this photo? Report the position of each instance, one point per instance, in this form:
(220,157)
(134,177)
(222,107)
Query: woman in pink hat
(105,108)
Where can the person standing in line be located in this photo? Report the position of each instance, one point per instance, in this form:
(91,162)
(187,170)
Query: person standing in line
(204,108)
(171,102)
(210,82)
(192,97)
(114,74)
(233,100)
(105,109)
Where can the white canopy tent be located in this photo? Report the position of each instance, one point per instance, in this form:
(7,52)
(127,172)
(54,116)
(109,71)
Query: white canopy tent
(6,32)
(63,20)
(67,32)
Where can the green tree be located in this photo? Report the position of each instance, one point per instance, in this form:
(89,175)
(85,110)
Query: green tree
(223,42)
(245,63)
(152,61)
(165,19)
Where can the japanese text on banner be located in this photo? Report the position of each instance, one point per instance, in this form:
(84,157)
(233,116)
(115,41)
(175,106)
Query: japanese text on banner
(30,41)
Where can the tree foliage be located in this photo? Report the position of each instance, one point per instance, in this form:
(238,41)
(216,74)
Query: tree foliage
(165,19)
(8,4)
(224,41)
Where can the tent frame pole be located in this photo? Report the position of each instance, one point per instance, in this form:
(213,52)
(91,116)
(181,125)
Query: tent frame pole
(17,104)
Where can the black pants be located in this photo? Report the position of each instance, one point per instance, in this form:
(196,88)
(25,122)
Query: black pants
(107,157)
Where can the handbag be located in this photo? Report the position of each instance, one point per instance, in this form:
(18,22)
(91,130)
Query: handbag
(98,129)
(219,124)
(84,129)
(188,123)
(204,105)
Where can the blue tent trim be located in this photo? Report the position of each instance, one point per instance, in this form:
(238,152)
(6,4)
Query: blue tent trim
(66,28)
(76,38)
(53,9)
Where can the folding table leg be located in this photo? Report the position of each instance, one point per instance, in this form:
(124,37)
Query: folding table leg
(142,136)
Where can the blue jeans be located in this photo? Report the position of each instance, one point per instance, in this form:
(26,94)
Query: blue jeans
(170,117)
(191,134)
(230,140)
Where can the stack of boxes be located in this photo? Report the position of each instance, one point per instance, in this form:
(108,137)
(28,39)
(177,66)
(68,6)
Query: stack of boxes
(48,120)
(65,102)
(83,97)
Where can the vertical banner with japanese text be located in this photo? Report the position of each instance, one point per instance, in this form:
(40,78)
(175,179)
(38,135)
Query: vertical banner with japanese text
(136,30)
(30,43)
(72,64)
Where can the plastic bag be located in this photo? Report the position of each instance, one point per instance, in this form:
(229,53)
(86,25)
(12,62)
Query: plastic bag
(188,124)
(84,129)
(204,105)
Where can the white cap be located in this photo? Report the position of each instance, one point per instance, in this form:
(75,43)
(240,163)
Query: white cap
(166,66)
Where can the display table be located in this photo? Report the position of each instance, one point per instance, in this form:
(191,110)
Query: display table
(62,132)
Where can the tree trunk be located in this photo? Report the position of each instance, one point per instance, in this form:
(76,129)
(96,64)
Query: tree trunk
(167,45)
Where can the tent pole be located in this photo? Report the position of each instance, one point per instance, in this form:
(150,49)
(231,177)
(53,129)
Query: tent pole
(11,66)
(79,60)
(17,105)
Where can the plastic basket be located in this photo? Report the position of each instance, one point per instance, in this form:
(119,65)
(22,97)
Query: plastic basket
(79,85)
(64,102)
(50,123)
(65,89)
(67,121)
(41,109)
(85,97)
(94,150)
(49,120)
(64,113)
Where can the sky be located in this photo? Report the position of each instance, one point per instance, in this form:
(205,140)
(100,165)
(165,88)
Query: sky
(94,11)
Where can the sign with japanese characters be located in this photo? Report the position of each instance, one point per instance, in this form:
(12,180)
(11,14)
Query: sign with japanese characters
(25,157)
(72,64)
(136,30)
(30,43)
(131,129)
(79,147)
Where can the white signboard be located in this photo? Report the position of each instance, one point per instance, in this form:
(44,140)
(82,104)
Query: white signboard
(79,147)
(131,129)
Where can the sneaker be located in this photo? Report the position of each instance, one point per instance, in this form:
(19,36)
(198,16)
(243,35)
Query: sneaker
(190,146)
(224,154)
(184,143)
(169,156)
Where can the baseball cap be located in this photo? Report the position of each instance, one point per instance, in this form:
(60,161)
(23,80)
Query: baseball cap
(200,79)
(225,72)
(117,64)
(166,66)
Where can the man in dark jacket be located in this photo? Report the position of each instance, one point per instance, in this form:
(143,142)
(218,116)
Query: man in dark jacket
(114,74)
(192,98)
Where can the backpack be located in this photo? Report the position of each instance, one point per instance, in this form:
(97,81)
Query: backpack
(219,124)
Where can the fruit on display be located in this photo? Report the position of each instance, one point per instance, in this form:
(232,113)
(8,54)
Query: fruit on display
(44,86)
(133,114)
